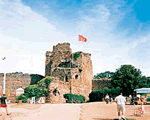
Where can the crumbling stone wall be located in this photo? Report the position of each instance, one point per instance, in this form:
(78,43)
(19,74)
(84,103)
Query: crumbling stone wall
(84,85)
(57,89)
(48,63)
(100,83)
(54,58)
(13,82)
(61,64)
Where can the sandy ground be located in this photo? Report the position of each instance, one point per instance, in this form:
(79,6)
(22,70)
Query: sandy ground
(42,112)
(85,111)
(102,111)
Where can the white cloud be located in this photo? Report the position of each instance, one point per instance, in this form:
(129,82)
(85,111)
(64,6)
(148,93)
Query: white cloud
(26,35)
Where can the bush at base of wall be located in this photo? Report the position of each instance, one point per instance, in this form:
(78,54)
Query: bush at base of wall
(39,89)
(72,98)
(97,95)
(21,97)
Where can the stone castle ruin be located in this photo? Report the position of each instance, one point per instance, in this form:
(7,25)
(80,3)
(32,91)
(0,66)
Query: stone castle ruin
(71,72)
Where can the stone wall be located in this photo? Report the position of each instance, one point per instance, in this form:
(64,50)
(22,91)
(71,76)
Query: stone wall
(100,83)
(61,64)
(84,86)
(54,58)
(13,82)
(48,63)
(57,89)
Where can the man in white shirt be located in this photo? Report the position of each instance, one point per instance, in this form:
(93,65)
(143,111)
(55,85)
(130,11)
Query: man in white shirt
(120,100)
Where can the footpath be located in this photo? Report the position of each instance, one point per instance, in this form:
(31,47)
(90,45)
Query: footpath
(85,111)
(53,112)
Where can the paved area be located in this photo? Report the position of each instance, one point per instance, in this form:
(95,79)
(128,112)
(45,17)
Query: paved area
(85,111)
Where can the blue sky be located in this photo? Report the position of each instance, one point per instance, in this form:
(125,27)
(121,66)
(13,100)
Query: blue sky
(118,32)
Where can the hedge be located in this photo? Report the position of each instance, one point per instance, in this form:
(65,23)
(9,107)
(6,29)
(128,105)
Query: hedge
(97,95)
(148,99)
(72,98)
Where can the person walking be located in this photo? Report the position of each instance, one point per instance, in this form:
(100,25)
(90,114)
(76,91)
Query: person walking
(107,98)
(130,96)
(120,100)
(3,103)
(110,100)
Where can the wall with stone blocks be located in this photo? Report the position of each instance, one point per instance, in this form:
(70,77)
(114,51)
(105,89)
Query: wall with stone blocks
(100,84)
(13,82)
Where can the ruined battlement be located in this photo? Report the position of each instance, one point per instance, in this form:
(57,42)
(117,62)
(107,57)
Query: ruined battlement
(64,64)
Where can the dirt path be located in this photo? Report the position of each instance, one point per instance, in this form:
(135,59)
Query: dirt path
(85,111)
(48,112)
(99,110)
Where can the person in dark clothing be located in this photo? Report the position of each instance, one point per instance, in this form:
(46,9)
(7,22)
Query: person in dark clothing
(3,103)
(110,100)
(107,98)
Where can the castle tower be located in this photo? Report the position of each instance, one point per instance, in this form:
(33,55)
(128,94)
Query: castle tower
(73,69)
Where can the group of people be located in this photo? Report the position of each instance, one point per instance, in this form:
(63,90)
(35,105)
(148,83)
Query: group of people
(120,100)
(3,101)
(108,99)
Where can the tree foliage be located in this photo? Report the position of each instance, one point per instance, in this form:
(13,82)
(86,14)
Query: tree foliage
(128,78)
(17,72)
(39,89)
(76,55)
(97,95)
(106,74)
(35,78)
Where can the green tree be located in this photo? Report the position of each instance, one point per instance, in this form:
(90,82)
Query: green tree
(33,91)
(106,74)
(35,78)
(39,89)
(128,78)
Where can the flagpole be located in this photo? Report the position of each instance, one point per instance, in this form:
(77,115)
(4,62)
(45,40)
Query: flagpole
(4,84)
(4,79)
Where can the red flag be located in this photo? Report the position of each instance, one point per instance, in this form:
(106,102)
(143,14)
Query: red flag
(81,38)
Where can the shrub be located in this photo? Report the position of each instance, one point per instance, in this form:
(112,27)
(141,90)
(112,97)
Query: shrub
(72,98)
(21,97)
(39,89)
(148,99)
(97,95)
(76,55)
(33,91)
(44,82)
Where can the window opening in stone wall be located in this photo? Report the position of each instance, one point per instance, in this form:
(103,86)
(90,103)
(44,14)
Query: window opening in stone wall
(54,92)
(67,79)
(76,76)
